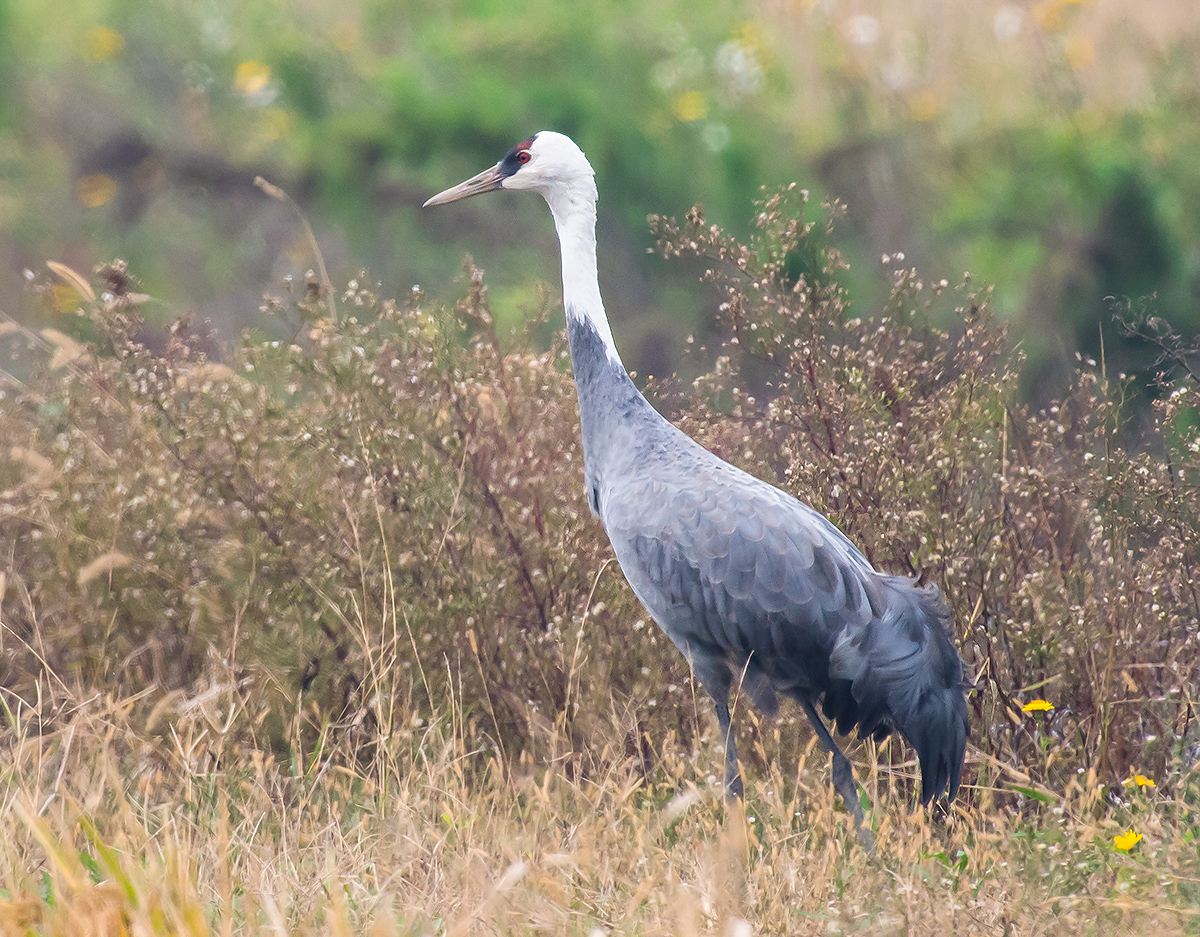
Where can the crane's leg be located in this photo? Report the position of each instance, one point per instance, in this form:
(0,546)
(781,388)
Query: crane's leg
(843,775)
(733,777)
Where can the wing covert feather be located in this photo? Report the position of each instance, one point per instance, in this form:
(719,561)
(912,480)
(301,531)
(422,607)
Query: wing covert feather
(762,577)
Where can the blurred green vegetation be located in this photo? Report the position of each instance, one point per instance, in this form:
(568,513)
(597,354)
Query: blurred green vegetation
(1047,147)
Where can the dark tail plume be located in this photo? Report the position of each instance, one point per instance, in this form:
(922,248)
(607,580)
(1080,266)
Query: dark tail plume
(905,673)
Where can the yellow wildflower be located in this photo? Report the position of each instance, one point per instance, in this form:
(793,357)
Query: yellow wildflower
(102,43)
(1126,841)
(751,35)
(690,106)
(1037,706)
(251,78)
(95,190)
(1080,52)
(1141,781)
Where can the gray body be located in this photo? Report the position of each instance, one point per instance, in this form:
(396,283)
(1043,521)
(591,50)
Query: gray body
(758,589)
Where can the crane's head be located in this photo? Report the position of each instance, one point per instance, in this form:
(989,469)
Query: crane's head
(549,163)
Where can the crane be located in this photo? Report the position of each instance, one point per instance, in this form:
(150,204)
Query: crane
(751,584)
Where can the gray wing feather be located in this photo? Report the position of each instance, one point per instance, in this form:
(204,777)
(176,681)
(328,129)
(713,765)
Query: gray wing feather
(752,584)
(735,570)
(770,569)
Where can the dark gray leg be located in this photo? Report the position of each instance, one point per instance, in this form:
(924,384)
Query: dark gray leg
(843,775)
(733,777)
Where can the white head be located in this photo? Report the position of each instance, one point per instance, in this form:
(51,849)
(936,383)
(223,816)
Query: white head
(548,163)
(553,166)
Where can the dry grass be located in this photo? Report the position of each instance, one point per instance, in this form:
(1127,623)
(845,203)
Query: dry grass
(321,639)
(113,826)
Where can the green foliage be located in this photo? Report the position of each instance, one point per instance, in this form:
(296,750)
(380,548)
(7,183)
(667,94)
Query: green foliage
(1077,216)
(358,110)
(1052,156)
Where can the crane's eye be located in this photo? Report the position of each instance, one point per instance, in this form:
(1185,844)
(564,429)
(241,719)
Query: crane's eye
(524,156)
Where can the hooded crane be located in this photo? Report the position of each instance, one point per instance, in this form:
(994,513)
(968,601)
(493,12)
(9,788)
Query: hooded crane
(752,585)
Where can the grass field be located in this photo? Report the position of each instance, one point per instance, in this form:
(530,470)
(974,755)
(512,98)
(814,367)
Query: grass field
(116,825)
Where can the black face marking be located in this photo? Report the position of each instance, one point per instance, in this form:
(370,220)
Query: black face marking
(514,160)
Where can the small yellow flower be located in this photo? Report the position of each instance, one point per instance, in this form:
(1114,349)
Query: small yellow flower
(1126,841)
(750,34)
(1080,52)
(1142,781)
(1037,706)
(251,78)
(690,106)
(103,43)
(95,190)
(1049,15)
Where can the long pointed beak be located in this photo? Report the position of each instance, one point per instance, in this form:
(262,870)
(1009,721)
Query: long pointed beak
(487,181)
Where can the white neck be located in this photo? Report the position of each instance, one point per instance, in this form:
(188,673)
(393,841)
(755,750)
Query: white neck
(574,211)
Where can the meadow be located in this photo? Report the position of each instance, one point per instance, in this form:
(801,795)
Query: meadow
(313,634)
